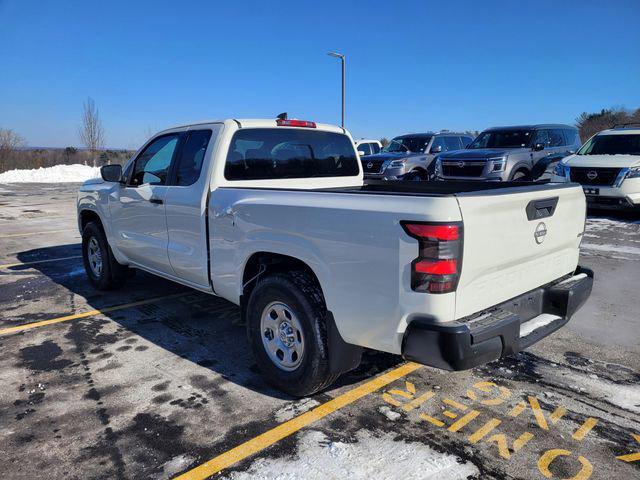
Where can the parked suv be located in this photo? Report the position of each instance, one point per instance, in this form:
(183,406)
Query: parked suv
(368,147)
(608,167)
(509,153)
(408,156)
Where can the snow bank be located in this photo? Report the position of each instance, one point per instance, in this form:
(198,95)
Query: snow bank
(370,456)
(56,174)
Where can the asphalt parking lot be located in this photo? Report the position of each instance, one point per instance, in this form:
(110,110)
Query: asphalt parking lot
(155,380)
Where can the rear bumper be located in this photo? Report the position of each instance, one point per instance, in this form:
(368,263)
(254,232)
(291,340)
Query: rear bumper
(502,330)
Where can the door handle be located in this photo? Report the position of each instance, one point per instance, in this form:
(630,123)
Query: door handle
(157,201)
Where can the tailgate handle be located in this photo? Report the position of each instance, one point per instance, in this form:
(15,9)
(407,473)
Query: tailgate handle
(542,208)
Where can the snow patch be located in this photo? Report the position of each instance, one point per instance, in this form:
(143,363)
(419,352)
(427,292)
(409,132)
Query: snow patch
(294,409)
(176,465)
(56,174)
(612,248)
(390,414)
(371,456)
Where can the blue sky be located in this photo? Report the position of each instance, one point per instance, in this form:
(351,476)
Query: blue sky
(412,66)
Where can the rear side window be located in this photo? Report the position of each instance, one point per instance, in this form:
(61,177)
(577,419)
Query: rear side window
(375,148)
(453,143)
(556,139)
(191,157)
(152,165)
(275,153)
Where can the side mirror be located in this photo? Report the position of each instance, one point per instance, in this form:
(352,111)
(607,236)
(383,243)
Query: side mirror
(111,173)
(361,153)
(436,149)
(538,146)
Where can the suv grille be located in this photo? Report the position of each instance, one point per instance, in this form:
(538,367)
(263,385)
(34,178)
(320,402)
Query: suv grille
(372,166)
(454,168)
(594,176)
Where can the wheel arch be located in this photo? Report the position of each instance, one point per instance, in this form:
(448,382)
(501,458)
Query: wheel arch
(343,356)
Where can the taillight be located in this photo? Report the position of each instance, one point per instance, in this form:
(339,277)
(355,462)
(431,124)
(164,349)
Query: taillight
(437,268)
(283,122)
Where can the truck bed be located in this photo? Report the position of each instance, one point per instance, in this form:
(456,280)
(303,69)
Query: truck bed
(386,187)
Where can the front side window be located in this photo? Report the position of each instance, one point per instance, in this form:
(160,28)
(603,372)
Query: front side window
(626,144)
(276,153)
(466,141)
(503,139)
(542,137)
(375,148)
(152,165)
(191,157)
(556,138)
(438,142)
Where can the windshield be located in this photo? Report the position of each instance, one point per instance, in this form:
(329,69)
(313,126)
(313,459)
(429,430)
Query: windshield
(407,144)
(503,139)
(612,145)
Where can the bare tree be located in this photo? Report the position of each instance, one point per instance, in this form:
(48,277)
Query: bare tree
(9,140)
(90,131)
(384,141)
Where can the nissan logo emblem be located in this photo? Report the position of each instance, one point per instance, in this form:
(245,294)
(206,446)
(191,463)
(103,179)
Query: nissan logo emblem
(592,174)
(370,165)
(460,164)
(540,233)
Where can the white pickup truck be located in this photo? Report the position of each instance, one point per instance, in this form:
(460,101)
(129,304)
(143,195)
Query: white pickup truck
(274,216)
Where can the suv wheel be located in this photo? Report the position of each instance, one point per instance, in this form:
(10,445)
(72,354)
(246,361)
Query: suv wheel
(416,176)
(520,176)
(287,333)
(103,270)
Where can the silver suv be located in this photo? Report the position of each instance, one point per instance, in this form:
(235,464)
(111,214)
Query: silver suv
(408,157)
(517,153)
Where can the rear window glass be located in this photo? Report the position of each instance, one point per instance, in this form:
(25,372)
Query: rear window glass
(273,153)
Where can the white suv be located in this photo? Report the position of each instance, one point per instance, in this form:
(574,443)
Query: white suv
(608,168)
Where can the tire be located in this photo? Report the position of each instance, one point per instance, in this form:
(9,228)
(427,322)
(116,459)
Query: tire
(520,176)
(297,302)
(415,176)
(103,270)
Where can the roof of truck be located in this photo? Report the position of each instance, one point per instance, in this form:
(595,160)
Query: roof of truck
(532,127)
(260,123)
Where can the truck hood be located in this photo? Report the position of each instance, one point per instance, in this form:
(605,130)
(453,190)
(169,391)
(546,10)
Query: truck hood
(478,153)
(387,156)
(603,161)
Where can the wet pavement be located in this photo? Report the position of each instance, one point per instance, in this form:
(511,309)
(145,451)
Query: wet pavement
(159,380)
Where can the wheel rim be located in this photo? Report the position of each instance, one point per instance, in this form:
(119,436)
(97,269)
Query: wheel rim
(94,255)
(282,336)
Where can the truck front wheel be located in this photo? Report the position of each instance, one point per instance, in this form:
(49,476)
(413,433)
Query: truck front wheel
(287,333)
(103,270)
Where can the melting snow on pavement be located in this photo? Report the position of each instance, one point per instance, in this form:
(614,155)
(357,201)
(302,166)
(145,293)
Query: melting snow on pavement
(370,456)
(56,174)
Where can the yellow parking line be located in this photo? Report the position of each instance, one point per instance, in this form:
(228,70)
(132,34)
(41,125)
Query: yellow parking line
(20,264)
(90,313)
(270,437)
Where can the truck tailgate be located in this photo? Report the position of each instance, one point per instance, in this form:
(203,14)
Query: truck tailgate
(515,240)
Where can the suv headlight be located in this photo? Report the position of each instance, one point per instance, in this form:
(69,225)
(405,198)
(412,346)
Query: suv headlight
(634,172)
(396,163)
(560,170)
(498,164)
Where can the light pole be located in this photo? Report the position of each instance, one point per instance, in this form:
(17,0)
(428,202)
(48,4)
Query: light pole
(343,60)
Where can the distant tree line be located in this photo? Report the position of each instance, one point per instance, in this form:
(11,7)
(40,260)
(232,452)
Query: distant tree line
(591,123)
(47,157)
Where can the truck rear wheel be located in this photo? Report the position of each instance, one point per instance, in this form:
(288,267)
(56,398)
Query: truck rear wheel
(103,270)
(287,333)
